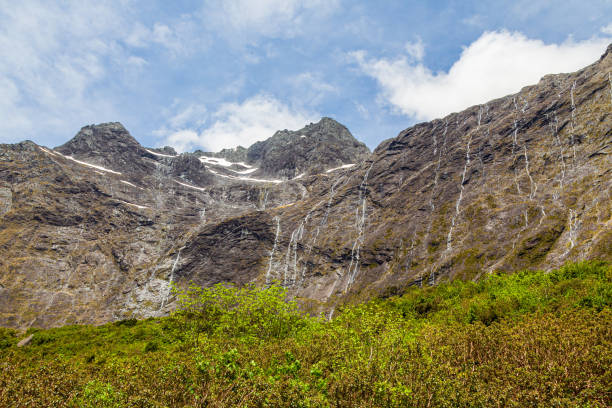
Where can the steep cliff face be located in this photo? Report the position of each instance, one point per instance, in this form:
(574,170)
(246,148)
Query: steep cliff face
(99,228)
(523,181)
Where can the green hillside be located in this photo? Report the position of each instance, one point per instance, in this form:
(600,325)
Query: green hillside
(524,339)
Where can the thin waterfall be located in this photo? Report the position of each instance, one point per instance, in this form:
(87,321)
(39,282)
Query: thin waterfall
(174,265)
(269,271)
(361,216)
(449,237)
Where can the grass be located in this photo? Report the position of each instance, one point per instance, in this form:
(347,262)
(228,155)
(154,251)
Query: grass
(524,339)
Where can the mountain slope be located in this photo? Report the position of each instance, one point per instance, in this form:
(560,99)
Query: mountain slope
(92,231)
(519,182)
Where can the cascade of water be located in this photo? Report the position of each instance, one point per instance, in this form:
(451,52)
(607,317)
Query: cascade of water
(410,253)
(437,172)
(314,240)
(449,237)
(514,146)
(432,278)
(329,202)
(435,140)
(353,268)
(265,199)
(269,271)
(573,227)
(555,129)
(442,150)
(167,294)
(543,214)
(331,313)
(533,187)
(291,257)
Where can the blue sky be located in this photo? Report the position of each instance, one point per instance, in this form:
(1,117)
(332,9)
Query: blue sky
(211,74)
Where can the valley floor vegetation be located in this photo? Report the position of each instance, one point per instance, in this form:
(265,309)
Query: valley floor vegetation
(541,339)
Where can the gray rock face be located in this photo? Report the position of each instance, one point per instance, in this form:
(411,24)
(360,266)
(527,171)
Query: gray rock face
(109,145)
(313,149)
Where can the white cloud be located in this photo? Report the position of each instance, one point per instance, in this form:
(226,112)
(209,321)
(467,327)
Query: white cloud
(233,124)
(245,20)
(52,53)
(496,64)
(607,29)
(183,140)
(60,60)
(416,49)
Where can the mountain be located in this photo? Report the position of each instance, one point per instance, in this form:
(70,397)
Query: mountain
(99,228)
(288,154)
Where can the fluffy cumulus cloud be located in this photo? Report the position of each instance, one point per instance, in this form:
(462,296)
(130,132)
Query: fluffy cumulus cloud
(496,64)
(49,55)
(59,62)
(247,20)
(234,124)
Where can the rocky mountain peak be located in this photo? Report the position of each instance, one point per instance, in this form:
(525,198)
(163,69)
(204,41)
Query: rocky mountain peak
(312,149)
(100,139)
(608,53)
(109,145)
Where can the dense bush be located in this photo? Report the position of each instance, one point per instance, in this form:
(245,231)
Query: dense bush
(525,339)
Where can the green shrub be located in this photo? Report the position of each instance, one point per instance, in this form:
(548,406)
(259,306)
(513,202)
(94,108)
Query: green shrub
(525,339)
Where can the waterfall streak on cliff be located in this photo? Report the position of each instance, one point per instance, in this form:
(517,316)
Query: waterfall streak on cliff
(573,227)
(449,237)
(268,272)
(353,268)
(533,186)
(167,294)
(329,202)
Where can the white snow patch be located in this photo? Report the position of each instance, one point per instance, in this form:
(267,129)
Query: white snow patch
(215,160)
(303,136)
(47,151)
(249,171)
(224,163)
(82,162)
(159,154)
(344,166)
(190,186)
(243,178)
(299,176)
(132,204)
(130,184)
(243,164)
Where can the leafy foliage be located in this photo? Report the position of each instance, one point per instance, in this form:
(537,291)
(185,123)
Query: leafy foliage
(526,339)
